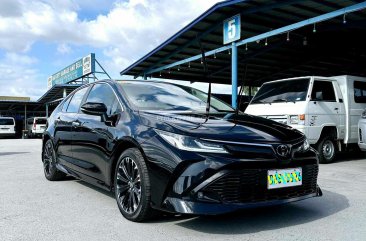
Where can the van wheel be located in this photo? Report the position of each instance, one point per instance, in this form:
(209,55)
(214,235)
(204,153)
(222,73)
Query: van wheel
(327,150)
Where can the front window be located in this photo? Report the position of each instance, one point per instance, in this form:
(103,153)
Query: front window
(161,96)
(283,91)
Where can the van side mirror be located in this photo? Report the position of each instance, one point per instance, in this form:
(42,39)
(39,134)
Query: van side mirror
(94,108)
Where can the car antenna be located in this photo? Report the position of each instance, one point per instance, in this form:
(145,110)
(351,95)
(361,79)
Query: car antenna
(238,101)
(205,74)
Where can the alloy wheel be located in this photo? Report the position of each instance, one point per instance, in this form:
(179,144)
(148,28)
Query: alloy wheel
(48,158)
(128,185)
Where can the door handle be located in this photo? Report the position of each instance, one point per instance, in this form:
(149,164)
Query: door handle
(336,108)
(75,123)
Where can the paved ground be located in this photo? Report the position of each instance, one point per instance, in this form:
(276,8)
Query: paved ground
(32,208)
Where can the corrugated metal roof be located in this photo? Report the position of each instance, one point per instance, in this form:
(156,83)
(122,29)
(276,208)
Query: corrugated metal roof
(334,49)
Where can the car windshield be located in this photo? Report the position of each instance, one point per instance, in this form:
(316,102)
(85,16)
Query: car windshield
(282,91)
(6,122)
(161,96)
(42,121)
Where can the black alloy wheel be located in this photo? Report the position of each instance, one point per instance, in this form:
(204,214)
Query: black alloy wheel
(132,186)
(49,163)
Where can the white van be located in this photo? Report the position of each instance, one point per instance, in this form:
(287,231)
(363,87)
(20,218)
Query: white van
(36,126)
(325,109)
(7,126)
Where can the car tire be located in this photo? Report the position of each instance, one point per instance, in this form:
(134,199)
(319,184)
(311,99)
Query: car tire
(49,163)
(132,186)
(327,150)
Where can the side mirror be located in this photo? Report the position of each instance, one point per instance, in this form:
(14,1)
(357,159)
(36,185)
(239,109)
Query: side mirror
(93,108)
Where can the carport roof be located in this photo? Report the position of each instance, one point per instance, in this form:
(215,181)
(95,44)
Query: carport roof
(336,48)
(56,92)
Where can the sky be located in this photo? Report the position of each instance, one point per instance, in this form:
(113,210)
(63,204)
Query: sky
(40,37)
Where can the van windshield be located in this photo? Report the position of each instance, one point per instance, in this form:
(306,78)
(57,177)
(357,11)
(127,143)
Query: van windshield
(282,91)
(6,122)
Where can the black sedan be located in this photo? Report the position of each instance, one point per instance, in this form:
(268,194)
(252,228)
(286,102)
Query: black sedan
(159,148)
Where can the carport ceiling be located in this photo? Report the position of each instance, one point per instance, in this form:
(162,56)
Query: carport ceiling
(336,48)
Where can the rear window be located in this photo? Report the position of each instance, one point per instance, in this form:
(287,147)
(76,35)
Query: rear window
(359,91)
(41,121)
(6,122)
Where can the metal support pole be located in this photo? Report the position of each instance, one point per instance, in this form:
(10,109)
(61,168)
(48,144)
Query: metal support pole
(25,117)
(234,74)
(47,110)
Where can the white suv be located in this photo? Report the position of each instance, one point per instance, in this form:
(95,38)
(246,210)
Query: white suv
(36,126)
(7,126)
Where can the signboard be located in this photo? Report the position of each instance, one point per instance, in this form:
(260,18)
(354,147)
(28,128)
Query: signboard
(232,27)
(77,70)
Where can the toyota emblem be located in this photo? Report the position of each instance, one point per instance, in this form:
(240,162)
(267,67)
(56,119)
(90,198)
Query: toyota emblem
(283,150)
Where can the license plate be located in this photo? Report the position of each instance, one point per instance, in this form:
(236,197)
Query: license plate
(284,178)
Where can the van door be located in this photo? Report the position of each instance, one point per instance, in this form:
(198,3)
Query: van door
(324,108)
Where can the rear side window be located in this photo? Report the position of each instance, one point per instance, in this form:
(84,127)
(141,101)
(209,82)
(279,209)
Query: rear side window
(6,122)
(75,101)
(41,121)
(66,104)
(102,93)
(323,91)
(359,91)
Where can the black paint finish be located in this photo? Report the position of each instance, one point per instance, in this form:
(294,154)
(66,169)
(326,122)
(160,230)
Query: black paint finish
(88,147)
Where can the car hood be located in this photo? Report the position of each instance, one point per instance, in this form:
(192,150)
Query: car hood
(224,127)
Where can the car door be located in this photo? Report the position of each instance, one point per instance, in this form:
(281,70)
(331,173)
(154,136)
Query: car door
(324,108)
(63,128)
(92,137)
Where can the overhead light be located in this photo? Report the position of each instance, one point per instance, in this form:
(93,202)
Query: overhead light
(288,37)
(344,19)
(314,29)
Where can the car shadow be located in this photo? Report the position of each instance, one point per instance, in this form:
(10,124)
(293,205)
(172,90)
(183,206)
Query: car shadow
(350,156)
(254,220)
(12,153)
(269,218)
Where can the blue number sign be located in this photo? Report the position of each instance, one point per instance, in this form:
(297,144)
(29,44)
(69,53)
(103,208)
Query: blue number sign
(232,29)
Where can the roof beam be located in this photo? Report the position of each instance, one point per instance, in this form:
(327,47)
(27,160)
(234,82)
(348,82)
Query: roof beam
(216,26)
(278,31)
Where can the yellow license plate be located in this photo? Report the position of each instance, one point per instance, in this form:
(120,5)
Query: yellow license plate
(284,178)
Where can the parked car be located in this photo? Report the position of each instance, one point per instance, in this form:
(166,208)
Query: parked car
(36,126)
(362,131)
(155,145)
(325,109)
(7,127)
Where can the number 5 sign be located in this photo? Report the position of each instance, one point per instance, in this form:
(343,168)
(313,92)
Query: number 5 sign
(232,29)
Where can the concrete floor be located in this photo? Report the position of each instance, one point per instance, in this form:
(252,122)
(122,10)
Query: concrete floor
(32,208)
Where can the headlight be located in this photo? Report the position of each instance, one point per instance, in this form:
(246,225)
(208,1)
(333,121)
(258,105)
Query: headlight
(363,115)
(305,146)
(188,143)
(297,119)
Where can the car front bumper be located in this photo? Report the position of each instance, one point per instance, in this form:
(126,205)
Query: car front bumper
(236,187)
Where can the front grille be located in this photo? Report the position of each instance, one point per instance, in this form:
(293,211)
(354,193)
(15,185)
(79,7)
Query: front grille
(278,118)
(250,185)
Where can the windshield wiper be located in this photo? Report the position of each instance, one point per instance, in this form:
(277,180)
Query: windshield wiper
(263,102)
(283,100)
